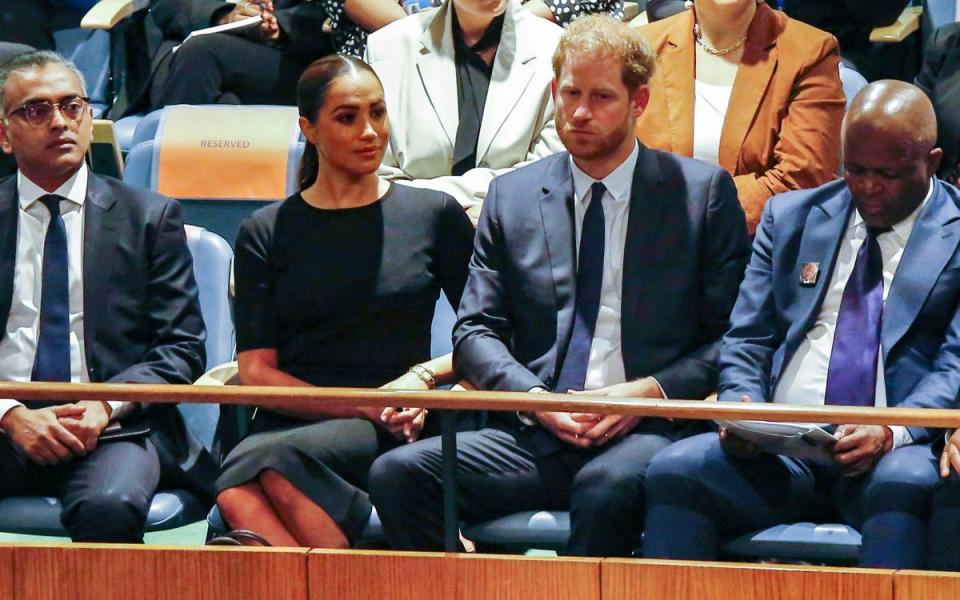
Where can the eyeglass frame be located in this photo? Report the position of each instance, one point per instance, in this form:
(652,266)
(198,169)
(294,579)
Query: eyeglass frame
(59,107)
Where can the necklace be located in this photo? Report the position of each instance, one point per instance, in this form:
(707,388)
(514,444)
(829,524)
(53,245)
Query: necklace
(710,49)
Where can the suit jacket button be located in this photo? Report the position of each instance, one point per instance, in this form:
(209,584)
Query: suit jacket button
(483,165)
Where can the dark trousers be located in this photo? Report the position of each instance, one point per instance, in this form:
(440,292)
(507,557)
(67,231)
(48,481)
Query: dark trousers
(105,496)
(943,540)
(499,471)
(697,496)
(226,69)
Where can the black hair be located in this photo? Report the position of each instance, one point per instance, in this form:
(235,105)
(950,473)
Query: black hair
(311,93)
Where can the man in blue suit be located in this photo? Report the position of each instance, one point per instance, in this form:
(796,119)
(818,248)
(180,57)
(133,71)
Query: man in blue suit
(850,298)
(638,311)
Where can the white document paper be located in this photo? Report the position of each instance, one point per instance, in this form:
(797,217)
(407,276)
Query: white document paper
(236,26)
(808,441)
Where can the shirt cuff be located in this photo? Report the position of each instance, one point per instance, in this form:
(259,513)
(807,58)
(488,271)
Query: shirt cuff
(663,394)
(901,436)
(119,408)
(6,405)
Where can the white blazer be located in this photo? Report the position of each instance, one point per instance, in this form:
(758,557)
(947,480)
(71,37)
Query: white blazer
(414,58)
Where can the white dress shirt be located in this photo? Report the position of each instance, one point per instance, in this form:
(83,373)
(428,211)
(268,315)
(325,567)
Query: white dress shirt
(605,366)
(18,348)
(710,103)
(804,379)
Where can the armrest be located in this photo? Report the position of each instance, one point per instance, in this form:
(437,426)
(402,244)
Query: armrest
(907,23)
(640,19)
(630,10)
(105,14)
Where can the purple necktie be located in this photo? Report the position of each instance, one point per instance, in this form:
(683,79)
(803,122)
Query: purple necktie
(852,375)
(589,283)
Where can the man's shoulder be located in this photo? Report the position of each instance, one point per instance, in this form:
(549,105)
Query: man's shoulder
(133,198)
(790,207)
(535,175)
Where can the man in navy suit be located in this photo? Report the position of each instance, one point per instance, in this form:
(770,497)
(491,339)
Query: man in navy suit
(637,311)
(96,284)
(850,298)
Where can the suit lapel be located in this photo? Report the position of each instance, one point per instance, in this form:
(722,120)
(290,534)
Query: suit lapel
(822,233)
(933,241)
(9,213)
(753,77)
(98,238)
(556,211)
(511,75)
(438,72)
(678,65)
(643,225)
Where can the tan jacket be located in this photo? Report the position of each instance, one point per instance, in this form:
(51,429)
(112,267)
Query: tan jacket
(782,129)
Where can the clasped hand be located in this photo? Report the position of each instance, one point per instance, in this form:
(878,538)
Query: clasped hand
(56,434)
(587,430)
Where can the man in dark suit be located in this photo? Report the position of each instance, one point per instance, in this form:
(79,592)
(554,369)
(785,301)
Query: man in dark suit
(96,284)
(637,312)
(850,298)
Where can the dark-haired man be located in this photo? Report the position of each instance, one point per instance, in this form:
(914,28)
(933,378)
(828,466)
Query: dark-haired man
(96,284)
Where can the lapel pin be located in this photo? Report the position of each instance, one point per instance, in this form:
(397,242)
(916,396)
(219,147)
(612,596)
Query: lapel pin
(809,274)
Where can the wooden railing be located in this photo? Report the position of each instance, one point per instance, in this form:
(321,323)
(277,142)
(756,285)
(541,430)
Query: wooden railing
(501,401)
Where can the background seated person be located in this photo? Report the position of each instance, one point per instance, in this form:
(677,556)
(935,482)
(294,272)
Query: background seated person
(637,311)
(563,12)
(940,79)
(97,282)
(850,21)
(258,66)
(468,88)
(850,298)
(743,86)
(336,286)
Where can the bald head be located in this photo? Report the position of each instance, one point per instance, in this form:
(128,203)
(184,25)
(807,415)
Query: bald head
(897,110)
(889,151)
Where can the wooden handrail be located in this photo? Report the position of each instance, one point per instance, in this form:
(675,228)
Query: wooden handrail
(503,401)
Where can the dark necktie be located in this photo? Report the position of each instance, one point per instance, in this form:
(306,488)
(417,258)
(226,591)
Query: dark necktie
(852,374)
(589,283)
(52,362)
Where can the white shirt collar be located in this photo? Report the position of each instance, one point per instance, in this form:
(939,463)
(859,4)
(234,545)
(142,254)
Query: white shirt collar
(904,228)
(618,182)
(73,189)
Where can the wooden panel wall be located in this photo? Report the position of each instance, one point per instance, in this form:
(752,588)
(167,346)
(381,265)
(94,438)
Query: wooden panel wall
(433,576)
(926,585)
(680,580)
(98,572)
(6,573)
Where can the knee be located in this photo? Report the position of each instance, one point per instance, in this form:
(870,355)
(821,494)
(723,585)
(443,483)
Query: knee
(279,489)
(108,515)
(393,473)
(202,48)
(605,490)
(234,503)
(901,482)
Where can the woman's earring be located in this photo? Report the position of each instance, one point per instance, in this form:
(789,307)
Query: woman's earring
(687,4)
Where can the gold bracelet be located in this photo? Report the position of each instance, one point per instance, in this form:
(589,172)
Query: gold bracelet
(425,375)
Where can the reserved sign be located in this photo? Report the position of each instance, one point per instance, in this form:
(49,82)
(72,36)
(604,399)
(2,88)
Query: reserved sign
(226,152)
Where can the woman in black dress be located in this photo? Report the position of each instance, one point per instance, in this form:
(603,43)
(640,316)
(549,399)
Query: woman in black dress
(336,287)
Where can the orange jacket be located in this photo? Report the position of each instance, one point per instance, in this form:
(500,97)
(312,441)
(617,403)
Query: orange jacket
(782,129)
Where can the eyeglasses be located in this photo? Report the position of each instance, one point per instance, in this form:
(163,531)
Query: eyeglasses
(41,112)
